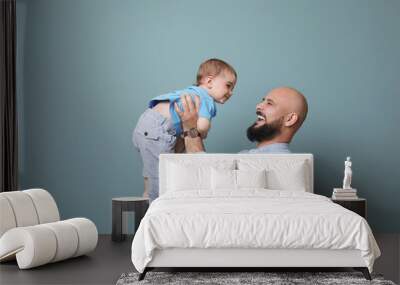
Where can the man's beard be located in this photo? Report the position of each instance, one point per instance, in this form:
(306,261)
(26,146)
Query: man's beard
(267,131)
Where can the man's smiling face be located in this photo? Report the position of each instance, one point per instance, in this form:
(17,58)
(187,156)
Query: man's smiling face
(268,110)
(269,120)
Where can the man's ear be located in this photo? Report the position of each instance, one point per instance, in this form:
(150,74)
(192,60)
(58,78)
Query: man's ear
(291,119)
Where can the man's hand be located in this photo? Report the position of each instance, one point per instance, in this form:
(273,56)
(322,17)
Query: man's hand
(190,113)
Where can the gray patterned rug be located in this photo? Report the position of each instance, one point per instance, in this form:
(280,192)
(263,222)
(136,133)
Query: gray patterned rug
(231,278)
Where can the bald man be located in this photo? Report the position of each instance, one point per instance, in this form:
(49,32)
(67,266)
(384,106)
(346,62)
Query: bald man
(279,115)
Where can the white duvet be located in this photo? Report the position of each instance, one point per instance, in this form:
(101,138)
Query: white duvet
(250,219)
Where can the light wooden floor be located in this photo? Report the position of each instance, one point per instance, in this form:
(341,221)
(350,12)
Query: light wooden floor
(110,260)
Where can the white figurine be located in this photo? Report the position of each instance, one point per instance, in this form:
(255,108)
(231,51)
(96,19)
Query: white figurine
(348,173)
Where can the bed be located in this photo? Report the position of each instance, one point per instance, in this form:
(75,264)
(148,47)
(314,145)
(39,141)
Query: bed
(247,210)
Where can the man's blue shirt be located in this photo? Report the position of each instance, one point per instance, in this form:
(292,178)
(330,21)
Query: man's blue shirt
(270,148)
(208,108)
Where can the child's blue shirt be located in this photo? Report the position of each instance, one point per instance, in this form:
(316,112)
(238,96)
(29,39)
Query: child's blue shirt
(208,108)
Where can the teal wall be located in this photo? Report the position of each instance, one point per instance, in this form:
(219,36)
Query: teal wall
(86,70)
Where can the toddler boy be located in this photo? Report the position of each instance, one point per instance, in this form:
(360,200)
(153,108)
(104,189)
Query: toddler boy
(159,128)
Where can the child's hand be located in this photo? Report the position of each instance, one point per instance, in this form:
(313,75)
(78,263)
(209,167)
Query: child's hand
(190,113)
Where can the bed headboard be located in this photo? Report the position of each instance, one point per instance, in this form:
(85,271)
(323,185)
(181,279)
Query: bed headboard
(284,161)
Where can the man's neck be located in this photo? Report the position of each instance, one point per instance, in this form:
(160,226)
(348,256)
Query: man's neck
(273,141)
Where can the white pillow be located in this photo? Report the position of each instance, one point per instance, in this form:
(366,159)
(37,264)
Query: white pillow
(251,178)
(183,175)
(225,179)
(281,174)
(293,179)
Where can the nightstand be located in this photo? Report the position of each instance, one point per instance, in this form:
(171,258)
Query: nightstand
(138,205)
(358,206)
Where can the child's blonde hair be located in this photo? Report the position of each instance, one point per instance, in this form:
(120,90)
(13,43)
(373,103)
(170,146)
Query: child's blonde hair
(213,67)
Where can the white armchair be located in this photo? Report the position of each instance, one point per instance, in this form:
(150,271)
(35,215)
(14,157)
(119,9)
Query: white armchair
(31,230)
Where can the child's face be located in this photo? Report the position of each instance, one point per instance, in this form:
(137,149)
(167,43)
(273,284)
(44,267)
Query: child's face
(221,86)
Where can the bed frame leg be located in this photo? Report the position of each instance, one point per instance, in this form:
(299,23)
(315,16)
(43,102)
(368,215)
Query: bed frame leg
(364,271)
(143,274)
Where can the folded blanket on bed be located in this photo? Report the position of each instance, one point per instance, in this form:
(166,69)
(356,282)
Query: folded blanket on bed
(252,218)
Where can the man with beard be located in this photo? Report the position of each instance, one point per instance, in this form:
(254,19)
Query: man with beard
(279,115)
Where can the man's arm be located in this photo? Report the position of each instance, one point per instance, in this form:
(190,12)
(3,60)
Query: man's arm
(203,125)
(189,117)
